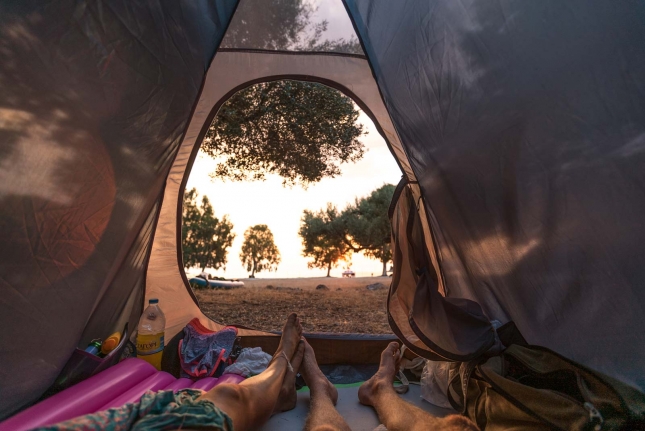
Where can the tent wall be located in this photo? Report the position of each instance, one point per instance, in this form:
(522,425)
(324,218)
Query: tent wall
(524,123)
(94,99)
(229,72)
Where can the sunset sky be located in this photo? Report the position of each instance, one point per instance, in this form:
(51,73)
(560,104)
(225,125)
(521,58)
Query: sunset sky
(268,202)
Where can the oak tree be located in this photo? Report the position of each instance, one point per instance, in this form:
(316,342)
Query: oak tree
(205,238)
(301,131)
(367,226)
(322,234)
(259,252)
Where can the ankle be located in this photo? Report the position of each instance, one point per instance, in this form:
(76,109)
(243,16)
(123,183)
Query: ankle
(382,384)
(376,391)
(322,389)
(317,384)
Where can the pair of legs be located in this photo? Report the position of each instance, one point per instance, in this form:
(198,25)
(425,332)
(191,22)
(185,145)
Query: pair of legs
(251,403)
(378,392)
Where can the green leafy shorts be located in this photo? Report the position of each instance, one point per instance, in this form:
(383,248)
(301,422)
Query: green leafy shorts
(157,411)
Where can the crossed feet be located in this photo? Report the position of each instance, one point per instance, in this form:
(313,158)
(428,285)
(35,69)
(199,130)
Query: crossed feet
(303,360)
(291,348)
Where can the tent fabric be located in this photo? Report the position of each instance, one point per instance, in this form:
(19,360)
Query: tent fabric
(230,72)
(433,326)
(94,99)
(524,124)
(519,127)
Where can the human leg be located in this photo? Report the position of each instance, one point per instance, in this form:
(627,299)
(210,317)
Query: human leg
(323,416)
(288,397)
(251,403)
(395,413)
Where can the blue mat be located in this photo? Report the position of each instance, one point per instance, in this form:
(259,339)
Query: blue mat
(357,416)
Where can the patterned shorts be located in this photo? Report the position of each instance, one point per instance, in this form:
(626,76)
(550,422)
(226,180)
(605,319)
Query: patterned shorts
(157,411)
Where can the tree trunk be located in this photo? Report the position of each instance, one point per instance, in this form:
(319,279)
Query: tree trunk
(252,271)
(384,269)
(328,268)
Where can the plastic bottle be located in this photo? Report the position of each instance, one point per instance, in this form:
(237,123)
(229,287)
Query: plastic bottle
(150,334)
(94,347)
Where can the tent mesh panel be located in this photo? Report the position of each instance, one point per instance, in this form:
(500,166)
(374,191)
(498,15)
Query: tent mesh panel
(292,25)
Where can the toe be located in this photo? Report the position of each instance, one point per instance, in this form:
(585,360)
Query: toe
(393,347)
(390,351)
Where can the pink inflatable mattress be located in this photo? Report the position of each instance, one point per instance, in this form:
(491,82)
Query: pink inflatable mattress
(121,384)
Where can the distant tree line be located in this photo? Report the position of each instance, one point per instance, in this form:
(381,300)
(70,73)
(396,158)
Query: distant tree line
(329,236)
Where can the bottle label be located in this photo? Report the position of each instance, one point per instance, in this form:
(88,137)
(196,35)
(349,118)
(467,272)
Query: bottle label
(149,344)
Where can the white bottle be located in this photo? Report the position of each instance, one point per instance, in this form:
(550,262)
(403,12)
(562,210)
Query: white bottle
(150,334)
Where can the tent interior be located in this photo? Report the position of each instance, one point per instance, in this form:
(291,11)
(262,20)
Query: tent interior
(520,146)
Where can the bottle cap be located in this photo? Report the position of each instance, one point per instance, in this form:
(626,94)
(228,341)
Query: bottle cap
(110,343)
(153,301)
(95,343)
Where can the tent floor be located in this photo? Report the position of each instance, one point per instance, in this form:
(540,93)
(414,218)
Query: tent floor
(358,417)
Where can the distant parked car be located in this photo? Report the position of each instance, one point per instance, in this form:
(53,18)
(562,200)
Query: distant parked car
(348,273)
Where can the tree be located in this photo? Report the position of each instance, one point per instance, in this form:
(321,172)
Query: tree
(322,234)
(205,238)
(282,25)
(367,226)
(301,131)
(259,252)
(329,236)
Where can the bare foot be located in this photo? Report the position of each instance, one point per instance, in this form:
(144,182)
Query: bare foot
(290,337)
(288,396)
(316,380)
(383,378)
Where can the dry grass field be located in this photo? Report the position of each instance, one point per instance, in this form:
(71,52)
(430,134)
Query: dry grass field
(347,305)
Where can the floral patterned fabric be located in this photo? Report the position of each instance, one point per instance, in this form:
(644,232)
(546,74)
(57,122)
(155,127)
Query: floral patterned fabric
(155,411)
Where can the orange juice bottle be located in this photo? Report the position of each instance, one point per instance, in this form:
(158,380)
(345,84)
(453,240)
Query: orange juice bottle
(150,334)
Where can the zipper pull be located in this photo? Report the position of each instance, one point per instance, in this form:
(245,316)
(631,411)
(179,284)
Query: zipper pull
(594,415)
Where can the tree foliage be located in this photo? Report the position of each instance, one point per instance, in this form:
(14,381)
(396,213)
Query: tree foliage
(205,238)
(301,131)
(367,226)
(282,25)
(329,236)
(322,234)
(259,252)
